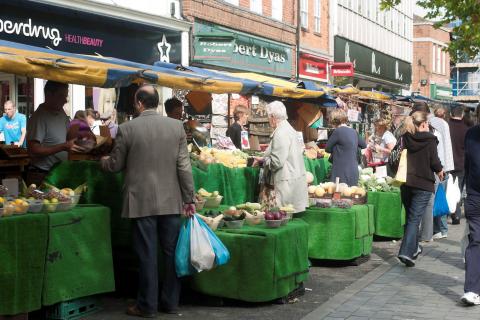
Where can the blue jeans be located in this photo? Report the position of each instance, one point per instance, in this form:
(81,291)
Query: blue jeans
(415,202)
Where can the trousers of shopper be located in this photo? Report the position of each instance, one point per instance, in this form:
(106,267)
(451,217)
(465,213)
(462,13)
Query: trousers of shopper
(415,202)
(472,254)
(147,233)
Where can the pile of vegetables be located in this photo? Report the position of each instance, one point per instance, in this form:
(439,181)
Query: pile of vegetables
(229,158)
(370,182)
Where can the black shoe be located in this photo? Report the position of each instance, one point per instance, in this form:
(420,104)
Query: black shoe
(136,312)
(170,311)
(406,261)
(455,220)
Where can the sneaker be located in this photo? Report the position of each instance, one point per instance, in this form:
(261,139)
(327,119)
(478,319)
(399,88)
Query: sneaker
(471,299)
(419,251)
(406,261)
(439,235)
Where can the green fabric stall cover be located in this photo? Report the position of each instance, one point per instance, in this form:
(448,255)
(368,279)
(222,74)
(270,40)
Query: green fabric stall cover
(237,186)
(389,213)
(339,234)
(265,264)
(79,255)
(320,168)
(23,244)
(102,188)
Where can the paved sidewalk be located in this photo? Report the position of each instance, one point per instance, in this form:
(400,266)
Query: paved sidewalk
(430,290)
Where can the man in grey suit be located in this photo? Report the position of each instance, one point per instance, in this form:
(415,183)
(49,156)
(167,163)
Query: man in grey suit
(152,151)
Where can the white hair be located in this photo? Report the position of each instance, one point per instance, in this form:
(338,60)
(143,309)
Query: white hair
(277,110)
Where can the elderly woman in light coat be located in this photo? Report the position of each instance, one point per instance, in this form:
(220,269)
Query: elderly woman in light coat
(284,160)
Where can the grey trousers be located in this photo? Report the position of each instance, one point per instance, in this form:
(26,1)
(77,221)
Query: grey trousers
(426,226)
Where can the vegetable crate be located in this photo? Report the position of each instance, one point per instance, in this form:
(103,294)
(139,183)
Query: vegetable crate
(73,309)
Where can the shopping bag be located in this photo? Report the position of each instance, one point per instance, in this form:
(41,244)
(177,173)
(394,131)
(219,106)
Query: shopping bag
(183,266)
(222,256)
(440,206)
(401,176)
(453,193)
(202,256)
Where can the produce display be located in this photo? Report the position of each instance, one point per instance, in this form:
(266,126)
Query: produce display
(205,199)
(338,195)
(370,182)
(229,158)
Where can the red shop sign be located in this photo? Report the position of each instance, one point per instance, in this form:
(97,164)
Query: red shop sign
(313,67)
(342,69)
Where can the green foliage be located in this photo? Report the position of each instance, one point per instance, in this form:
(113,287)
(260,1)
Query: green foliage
(466,37)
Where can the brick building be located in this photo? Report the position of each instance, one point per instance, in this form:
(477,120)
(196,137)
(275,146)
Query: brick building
(244,35)
(316,43)
(431,64)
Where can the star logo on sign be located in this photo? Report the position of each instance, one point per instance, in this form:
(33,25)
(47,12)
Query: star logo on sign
(164,49)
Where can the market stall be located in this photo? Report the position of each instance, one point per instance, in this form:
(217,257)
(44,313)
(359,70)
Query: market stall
(41,254)
(339,234)
(389,213)
(266,263)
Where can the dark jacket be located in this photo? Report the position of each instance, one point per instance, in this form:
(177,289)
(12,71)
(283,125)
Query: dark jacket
(422,160)
(472,161)
(235,133)
(458,130)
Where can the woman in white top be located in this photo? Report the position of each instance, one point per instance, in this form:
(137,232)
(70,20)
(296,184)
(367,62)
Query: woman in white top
(384,141)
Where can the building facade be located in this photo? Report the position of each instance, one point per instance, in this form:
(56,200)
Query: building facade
(378,43)
(139,31)
(431,63)
(244,35)
(315,41)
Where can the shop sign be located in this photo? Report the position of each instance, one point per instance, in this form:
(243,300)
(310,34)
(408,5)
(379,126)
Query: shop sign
(223,47)
(342,69)
(371,62)
(313,67)
(80,32)
(440,92)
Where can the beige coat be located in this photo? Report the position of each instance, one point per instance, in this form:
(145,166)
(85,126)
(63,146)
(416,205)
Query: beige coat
(284,157)
(152,150)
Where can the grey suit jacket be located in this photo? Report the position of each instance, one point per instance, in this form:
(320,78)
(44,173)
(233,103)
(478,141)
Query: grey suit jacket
(152,150)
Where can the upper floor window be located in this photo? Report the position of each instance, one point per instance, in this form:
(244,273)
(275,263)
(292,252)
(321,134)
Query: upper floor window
(317,15)
(304,13)
(277,10)
(235,2)
(256,6)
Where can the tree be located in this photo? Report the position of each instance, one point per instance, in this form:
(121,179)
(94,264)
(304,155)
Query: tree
(465,35)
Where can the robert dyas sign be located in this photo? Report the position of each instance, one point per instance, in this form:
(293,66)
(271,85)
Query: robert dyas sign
(224,47)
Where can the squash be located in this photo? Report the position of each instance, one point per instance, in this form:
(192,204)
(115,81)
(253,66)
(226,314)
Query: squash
(319,192)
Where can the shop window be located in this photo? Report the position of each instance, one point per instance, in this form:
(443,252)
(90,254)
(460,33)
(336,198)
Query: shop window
(256,6)
(439,59)
(277,10)
(434,59)
(304,13)
(317,16)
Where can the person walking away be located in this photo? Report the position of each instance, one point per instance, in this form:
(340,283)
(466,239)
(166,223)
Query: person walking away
(458,131)
(472,215)
(343,146)
(240,115)
(422,163)
(152,151)
(13,125)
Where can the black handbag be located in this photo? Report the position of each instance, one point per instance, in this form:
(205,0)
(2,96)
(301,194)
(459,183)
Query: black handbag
(394,158)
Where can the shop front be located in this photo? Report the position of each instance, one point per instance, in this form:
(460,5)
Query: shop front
(373,69)
(82,32)
(313,68)
(220,48)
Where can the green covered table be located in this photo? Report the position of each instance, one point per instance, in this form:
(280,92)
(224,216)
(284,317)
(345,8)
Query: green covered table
(265,264)
(339,234)
(79,254)
(320,169)
(23,246)
(389,213)
(236,185)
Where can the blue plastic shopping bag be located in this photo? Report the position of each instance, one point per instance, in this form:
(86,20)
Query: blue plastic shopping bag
(182,252)
(222,256)
(440,206)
